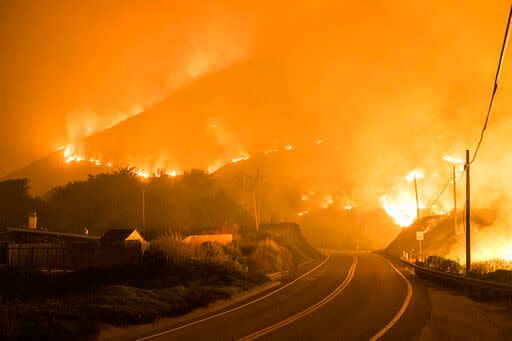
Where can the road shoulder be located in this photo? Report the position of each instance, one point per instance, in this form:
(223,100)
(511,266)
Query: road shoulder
(109,332)
(457,317)
(441,313)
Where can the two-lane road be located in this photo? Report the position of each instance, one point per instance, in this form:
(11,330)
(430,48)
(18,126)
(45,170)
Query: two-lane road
(356,296)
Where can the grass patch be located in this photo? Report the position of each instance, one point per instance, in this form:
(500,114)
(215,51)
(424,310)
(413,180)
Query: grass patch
(496,270)
(80,316)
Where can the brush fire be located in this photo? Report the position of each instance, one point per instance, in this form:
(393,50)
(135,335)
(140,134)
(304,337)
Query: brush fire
(248,141)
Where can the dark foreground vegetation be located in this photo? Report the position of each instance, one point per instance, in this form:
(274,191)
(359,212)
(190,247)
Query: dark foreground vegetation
(173,278)
(495,270)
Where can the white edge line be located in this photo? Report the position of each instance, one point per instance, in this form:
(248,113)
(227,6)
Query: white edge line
(332,295)
(234,309)
(402,309)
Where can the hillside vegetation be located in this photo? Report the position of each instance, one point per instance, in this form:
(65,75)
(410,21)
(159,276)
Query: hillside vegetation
(440,236)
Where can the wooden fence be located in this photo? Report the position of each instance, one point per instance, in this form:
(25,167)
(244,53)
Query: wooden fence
(72,255)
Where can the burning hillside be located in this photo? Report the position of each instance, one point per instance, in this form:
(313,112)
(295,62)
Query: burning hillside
(326,126)
(442,238)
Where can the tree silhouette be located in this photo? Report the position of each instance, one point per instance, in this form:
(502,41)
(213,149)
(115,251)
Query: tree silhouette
(16,202)
(186,203)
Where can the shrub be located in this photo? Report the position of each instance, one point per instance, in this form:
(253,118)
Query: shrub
(444,264)
(269,257)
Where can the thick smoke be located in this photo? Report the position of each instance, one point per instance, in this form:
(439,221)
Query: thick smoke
(391,86)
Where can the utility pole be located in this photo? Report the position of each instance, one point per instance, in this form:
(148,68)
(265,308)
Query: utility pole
(256,222)
(143,213)
(468,217)
(244,203)
(454,176)
(417,202)
(258,195)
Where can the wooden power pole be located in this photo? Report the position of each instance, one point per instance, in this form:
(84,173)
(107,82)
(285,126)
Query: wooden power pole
(244,203)
(468,217)
(258,196)
(455,199)
(143,213)
(256,222)
(417,202)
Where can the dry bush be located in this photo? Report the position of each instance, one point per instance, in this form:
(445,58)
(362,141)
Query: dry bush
(171,247)
(491,265)
(269,257)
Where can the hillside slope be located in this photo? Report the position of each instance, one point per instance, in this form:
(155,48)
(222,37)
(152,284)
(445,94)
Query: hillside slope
(440,237)
(52,171)
(189,128)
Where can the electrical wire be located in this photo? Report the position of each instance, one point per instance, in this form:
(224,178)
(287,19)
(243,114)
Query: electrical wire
(439,195)
(496,82)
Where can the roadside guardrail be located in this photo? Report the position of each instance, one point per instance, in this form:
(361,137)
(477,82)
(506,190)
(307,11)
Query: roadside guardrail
(472,286)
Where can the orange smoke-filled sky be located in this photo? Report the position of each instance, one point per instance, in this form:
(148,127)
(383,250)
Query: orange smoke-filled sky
(371,74)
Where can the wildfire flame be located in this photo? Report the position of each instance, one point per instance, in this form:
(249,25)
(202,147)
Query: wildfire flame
(415,173)
(241,158)
(272,150)
(403,214)
(452,159)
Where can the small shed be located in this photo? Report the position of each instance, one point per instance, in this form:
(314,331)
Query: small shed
(121,247)
(121,235)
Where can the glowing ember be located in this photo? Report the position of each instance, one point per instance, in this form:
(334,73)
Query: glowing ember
(288,147)
(272,150)
(303,213)
(328,203)
(348,207)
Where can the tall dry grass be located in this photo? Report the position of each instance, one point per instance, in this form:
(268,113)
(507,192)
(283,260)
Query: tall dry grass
(491,265)
(175,251)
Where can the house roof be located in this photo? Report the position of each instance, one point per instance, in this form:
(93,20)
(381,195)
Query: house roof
(225,238)
(51,233)
(118,235)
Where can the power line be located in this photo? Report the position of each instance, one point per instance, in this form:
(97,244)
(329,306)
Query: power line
(496,82)
(439,195)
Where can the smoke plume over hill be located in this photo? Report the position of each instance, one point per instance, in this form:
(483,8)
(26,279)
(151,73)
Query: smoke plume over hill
(360,93)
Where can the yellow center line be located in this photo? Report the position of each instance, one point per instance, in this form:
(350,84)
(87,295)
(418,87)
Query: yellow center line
(402,309)
(236,308)
(309,310)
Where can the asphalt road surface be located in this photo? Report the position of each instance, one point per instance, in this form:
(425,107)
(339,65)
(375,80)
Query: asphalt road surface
(345,296)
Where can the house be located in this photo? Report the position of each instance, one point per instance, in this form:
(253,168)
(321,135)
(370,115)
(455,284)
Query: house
(30,235)
(121,247)
(31,248)
(124,235)
(223,239)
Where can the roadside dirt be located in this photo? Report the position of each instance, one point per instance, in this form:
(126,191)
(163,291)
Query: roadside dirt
(457,317)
